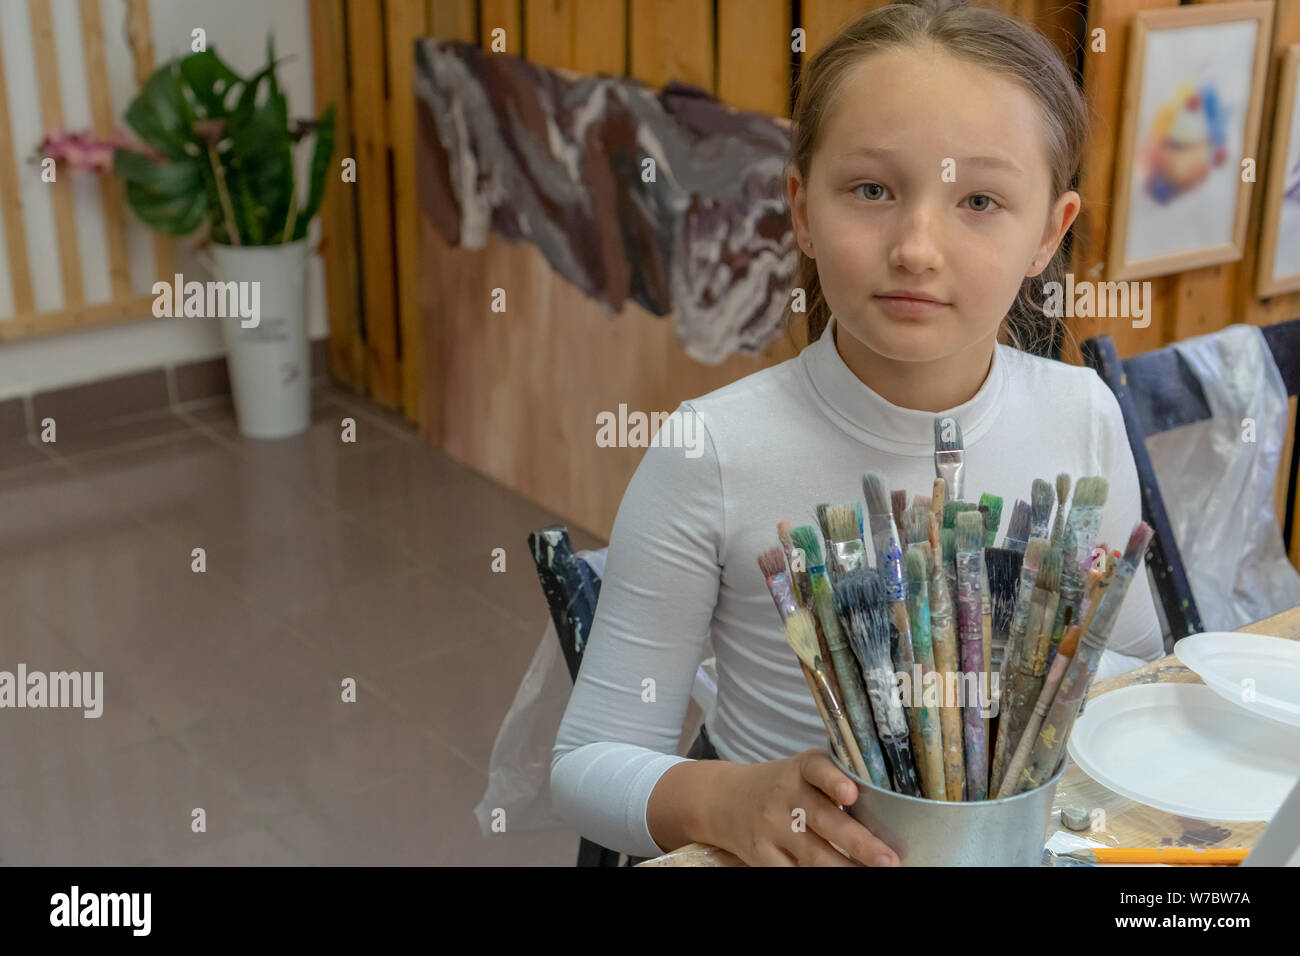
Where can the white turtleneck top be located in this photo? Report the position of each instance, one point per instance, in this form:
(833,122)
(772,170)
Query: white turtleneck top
(682,579)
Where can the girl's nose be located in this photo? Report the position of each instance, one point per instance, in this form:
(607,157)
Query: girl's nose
(916,243)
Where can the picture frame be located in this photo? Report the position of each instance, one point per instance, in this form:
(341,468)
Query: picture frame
(1279,239)
(1192,104)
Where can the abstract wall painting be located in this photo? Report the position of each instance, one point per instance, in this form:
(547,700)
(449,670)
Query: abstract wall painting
(1187,155)
(1279,244)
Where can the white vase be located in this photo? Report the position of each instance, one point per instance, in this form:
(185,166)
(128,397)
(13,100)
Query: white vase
(269,362)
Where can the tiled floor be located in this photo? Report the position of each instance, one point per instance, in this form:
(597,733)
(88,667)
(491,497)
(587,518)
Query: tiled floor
(324,560)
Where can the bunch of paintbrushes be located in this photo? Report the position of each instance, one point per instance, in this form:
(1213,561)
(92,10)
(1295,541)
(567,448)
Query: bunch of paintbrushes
(997,645)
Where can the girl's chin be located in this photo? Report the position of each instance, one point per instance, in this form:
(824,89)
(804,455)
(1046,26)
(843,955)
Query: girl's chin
(901,342)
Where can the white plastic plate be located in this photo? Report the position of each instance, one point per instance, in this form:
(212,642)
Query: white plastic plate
(1183,749)
(1253,671)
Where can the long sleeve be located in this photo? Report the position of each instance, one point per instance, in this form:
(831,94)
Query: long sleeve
(620,730)
(1136,638)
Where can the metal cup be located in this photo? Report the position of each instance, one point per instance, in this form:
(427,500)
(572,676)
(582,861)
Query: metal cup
(1007,832)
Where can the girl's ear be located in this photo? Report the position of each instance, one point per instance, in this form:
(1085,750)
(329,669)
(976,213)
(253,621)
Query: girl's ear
(797,200)
(1061,217)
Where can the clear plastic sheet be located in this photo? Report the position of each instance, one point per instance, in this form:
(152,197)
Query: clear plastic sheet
(1218,485)
(519,772)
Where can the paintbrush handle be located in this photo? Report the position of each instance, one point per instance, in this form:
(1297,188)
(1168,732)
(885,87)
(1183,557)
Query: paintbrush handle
(1018,759)
(851,745)
(1013,693)
(832,728)
(986,637)
(904,661)
(1162,854)
(971,636)
(943,639)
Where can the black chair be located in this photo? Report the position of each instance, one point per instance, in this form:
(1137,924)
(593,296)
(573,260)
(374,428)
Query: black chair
(1157,391)
(571,590)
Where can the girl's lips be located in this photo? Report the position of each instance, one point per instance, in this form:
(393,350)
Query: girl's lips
(900,306)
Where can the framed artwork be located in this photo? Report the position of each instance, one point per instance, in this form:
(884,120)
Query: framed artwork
(1279,241)
(1192,103)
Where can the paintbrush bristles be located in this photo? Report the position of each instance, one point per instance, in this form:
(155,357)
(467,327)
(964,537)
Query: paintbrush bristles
(873,490)
(945,444)
(783,533)
(917,561)
(1062,492)
(969,531)
(823,521)
(772,562)
(1021,521)
(1041,499)
(842,523)
(916,524)
(801,634)
(1049,574)
(1138,542)
(1090,492)
(806,540)
(1034,552)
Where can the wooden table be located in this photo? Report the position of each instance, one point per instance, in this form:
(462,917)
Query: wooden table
(1127,822)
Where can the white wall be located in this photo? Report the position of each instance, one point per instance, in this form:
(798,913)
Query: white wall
(237,30)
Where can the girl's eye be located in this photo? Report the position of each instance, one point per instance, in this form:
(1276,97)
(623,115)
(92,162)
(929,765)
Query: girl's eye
(987,198)
(871,186)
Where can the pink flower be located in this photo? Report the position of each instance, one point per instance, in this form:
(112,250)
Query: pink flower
(82,150)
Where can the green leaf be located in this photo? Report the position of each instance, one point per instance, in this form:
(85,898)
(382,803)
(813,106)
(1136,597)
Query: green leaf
(262,154)
(161,175)
(211,82)
(159,114)
(320,164)
(176,214)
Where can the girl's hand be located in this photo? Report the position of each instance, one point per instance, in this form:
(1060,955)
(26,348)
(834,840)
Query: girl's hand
(753,815)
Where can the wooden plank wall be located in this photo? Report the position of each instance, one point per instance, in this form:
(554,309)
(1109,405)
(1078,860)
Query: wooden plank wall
(477,384)
(28,321)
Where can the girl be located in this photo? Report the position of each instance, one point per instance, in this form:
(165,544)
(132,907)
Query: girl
(933,150)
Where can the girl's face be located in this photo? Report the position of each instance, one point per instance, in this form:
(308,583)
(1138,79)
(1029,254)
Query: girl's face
(930,178)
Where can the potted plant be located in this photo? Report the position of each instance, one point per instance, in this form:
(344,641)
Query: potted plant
(223,153)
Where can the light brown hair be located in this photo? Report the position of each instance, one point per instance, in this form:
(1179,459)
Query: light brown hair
(976,35)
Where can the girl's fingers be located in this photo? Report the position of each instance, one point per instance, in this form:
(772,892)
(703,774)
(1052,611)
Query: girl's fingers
(820,771)
(812,850)
(831,823)
(769,854)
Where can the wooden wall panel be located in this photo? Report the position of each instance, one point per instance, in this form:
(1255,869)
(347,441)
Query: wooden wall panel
(452,20)
(65,210)
(365,20)
(521,389)
(406,22)
(347,360)
(754,55)
(101,113)
(587,36)
(672,40)
(506,15)
(19,267)
(822,19)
